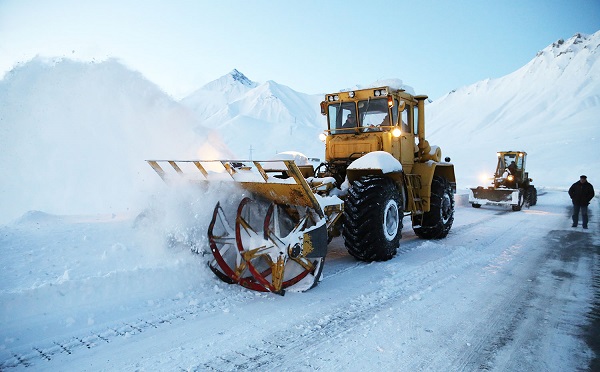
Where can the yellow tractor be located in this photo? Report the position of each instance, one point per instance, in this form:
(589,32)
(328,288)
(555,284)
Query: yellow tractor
(511,185)
(378,168)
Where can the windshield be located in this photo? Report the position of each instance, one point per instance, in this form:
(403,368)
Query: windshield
(372,114)
(508,161)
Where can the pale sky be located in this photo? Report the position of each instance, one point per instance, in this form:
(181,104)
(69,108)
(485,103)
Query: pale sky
(311,46)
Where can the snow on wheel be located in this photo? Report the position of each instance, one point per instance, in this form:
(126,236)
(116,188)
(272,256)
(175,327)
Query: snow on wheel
(373,218)
(436,223)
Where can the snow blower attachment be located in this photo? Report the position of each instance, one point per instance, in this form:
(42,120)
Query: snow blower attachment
(278,239)
(511,184)
(378,168)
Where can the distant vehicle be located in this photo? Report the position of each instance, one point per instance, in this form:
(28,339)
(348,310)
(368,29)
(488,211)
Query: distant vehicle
(511,185)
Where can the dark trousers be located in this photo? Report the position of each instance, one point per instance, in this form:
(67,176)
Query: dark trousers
(584,214)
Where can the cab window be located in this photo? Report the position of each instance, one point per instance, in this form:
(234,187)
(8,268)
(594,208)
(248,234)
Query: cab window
(338,115)
(374,113)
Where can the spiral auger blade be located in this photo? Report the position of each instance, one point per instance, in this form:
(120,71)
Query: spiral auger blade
(278,241)
(273,259)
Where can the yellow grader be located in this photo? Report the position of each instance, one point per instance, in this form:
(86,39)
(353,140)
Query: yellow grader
(511,185)
(378,168)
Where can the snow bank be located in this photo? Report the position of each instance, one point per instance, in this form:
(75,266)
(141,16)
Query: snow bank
(74,137)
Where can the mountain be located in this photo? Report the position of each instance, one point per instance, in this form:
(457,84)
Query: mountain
(217,94)
(74,137)
(259,120)
(548,108)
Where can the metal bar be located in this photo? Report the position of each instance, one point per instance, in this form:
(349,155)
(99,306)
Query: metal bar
(261,170)
(201,169)
(228,168)
(175,166)
(157,169)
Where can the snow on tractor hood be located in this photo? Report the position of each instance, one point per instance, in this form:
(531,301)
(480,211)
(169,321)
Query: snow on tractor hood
(377,160)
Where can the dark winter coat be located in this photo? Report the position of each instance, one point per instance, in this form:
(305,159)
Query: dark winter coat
(581,193)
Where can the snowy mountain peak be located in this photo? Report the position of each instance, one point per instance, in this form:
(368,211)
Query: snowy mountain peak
(234,81)
(239,77)
(572,45)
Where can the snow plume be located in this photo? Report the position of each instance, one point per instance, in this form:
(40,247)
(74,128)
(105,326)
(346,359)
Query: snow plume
(182,212)
(74,137)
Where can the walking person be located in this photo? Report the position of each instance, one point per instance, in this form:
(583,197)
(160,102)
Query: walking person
(581,193)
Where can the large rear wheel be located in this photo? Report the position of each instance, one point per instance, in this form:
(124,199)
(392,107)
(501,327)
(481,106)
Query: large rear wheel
(373,218)
(436,223)
(532,195)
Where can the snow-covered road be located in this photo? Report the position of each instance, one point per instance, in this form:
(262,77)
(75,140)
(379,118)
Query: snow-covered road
(504,291)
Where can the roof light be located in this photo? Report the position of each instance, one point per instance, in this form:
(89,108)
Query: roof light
(351,94)
(336,98)
(377,93)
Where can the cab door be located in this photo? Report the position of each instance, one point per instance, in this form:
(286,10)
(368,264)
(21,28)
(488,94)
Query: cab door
(406,122)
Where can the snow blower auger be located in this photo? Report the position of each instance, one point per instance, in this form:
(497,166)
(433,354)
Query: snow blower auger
(278,238)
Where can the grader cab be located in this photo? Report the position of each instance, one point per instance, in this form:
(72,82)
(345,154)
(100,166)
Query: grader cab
(378,168)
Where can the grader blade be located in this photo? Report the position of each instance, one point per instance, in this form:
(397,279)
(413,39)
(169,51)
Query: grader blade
(492,196)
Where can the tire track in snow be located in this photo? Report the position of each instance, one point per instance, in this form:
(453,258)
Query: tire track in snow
(346,316)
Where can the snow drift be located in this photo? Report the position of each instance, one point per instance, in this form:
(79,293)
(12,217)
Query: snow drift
(74,137)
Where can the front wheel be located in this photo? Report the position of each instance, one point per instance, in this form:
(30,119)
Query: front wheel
(373,218)
(436,223)
(521,201)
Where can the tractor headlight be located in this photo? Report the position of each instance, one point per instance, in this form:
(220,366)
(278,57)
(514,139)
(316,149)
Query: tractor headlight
(396,132)
(380,92)
(510,177)
(322,137)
